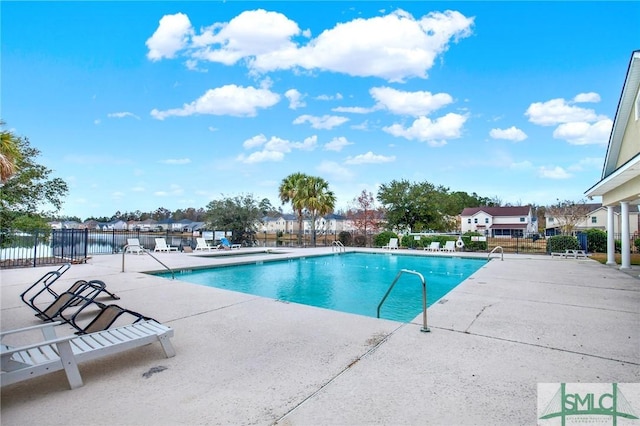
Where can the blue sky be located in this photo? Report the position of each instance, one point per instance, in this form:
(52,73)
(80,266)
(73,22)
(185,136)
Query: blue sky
(140,105)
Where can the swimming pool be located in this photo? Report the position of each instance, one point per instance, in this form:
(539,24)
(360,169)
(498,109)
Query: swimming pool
(347,282)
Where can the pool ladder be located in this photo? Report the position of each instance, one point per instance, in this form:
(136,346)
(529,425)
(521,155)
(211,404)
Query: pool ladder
(338,246)
(124,251)
(424,296)
(494,250)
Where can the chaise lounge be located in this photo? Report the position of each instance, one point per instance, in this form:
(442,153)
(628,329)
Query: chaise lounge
(65,353)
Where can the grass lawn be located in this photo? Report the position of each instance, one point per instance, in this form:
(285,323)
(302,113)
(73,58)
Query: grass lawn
(602,258)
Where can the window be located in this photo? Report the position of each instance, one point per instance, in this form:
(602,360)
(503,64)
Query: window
(469,220)
(475,220)
(486,220)
(522,219)
(594,219)
(550,220)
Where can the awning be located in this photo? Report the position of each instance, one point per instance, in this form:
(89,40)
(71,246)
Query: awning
(509,226)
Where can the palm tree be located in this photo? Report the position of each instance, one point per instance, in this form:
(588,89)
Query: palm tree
(318,200)
(10,155)
(289,191)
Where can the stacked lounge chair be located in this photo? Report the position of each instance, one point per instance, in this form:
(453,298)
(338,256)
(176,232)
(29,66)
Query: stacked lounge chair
(96,339)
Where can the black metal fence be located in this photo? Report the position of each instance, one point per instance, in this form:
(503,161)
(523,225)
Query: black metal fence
(54,246)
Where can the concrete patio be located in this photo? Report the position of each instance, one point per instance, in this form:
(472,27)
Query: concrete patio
(245,360)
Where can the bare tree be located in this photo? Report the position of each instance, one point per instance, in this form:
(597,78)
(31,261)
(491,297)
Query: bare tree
(365,215)
(567,214)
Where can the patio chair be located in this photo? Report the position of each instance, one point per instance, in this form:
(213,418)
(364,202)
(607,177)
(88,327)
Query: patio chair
(434,246)
(161,245)
(392,244)
(83,296)
(107,315)
(32,295)
(201,244)
(449,246)
(65,353)
(134,246)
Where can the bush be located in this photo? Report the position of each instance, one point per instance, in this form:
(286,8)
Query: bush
(560,243)
(382,239)
(345,238)
(473,245)
(596,241)
(360,241)
(636,243)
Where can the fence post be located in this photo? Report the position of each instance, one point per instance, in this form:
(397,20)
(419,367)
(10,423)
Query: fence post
(86,242)
(35,248)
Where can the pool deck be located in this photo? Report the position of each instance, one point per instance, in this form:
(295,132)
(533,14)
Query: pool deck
(247,360)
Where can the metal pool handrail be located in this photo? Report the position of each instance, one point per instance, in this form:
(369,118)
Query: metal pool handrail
(337,245)
(494,249)
(424,296)
(124,251)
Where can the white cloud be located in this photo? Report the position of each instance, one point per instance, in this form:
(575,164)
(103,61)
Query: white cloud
(512,134)
(522,165)
(589,163)
(434,132)
(231,100)
(122,115)
(354,110)
(295,99)
(395,46)
(257,140)
(556,172)
(582,133)
(260,157)
(409,103)
(325,122)
(173,191)
(274,149)
(176,161)
(171,36)
(336,144)
(337,96)
(587,97)
(558,111)
(369,158)
(334,171)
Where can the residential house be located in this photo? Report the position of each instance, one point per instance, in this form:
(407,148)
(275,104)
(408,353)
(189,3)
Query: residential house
(67,224)
(499,222)
(597,219)
(619,185)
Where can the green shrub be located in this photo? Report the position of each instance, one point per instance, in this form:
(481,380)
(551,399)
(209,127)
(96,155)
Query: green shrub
(473,245)
(596,241)
(382,239)
(560,243)
(345,238)
(636,243)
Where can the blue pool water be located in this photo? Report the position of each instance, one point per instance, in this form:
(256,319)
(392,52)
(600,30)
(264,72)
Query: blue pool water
(348,282)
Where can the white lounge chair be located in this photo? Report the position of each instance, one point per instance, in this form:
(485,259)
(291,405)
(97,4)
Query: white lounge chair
(134,246)
(393,244)
(161,245)
(201,244)
(449,246)
(65,353)
(434,246)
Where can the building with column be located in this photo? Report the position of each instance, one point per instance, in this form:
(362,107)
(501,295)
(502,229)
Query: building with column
(620,182)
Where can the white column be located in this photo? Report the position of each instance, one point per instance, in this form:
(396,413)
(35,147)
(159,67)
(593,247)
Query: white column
(626,245)
(611,244)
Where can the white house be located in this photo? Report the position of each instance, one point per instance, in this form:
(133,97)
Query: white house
(500,222)
(597,219)
(620,182)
